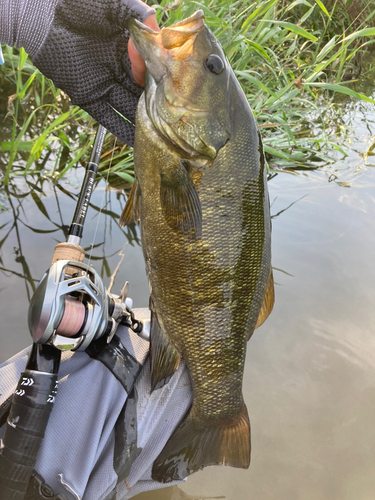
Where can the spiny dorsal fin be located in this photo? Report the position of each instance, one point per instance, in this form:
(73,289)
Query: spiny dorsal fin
(268,301)
(165,358)
(131,210)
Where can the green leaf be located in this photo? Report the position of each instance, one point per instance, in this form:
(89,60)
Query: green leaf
(276,152)
(76,158)
(22,58)
(295,29)
(338,148)
(321,5)
(22,93)
(342,90)
(298,2)
(258,49)
(18,146)
(260,11)
(126,177)
(64,139)
(360,33)
(255,81)
(279,94)
(307,15)
(327,48)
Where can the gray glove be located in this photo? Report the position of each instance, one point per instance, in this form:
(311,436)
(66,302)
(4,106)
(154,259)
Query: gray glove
(83,50)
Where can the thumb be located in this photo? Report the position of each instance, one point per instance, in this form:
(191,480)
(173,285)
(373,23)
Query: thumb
(137,63)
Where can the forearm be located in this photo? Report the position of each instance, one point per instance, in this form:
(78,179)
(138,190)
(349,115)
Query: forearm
(25,23)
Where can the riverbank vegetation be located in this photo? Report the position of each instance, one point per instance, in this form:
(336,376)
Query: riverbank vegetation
(291,58)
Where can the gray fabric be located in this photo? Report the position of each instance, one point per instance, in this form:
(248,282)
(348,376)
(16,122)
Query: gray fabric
(25,23)
(82,46)
(76,457)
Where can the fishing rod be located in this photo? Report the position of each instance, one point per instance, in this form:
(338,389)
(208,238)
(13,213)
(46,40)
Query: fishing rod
(69,310)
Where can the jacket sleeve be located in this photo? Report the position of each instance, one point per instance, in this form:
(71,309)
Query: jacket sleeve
(100,442)
(26,23)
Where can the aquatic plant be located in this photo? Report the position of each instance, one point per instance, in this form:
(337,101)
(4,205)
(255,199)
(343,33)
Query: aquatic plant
(290,57)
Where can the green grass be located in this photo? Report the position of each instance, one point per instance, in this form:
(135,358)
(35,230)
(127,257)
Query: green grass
(42,133)
(286,55)
(290,58)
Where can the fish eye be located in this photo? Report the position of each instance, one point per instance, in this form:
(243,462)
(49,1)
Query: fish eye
(214,64)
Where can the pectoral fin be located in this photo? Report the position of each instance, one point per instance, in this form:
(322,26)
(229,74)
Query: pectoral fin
(131,210)
(165,358)
(180,202)
(268,301)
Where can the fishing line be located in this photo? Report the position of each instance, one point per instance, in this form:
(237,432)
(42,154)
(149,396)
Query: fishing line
(102,202)
(113,276)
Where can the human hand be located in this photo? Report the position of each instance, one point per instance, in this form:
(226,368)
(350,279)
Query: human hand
(85,54)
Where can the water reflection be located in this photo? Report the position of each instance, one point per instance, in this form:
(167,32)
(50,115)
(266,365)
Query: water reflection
(36,216)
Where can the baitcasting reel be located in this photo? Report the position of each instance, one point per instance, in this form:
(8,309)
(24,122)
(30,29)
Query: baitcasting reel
(71,307)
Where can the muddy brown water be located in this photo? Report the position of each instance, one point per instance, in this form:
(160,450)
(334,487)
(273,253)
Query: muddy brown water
(309,381)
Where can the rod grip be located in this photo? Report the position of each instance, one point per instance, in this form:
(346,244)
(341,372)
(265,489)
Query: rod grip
(31,407)
(68,251)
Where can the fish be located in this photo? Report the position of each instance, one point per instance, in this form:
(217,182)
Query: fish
(200,194)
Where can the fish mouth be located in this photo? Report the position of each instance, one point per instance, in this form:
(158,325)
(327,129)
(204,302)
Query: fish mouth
(175,41)
(173,58)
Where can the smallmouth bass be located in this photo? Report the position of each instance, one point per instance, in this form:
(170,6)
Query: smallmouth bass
(200,193)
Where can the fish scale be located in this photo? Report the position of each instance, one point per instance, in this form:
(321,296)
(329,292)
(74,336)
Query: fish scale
(201,196)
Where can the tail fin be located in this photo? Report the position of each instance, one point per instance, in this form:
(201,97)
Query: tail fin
(194,446)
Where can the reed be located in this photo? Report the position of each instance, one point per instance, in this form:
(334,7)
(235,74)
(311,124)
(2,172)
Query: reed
(291,58)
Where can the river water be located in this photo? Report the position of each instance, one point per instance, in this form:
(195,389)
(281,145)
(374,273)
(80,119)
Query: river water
(309,381)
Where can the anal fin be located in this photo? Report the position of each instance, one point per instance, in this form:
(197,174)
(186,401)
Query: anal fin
(165,358)
(268,302)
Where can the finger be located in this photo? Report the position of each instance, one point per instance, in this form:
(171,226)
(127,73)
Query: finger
(116,112)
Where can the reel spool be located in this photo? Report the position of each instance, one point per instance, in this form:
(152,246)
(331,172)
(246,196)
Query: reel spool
(70,308)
